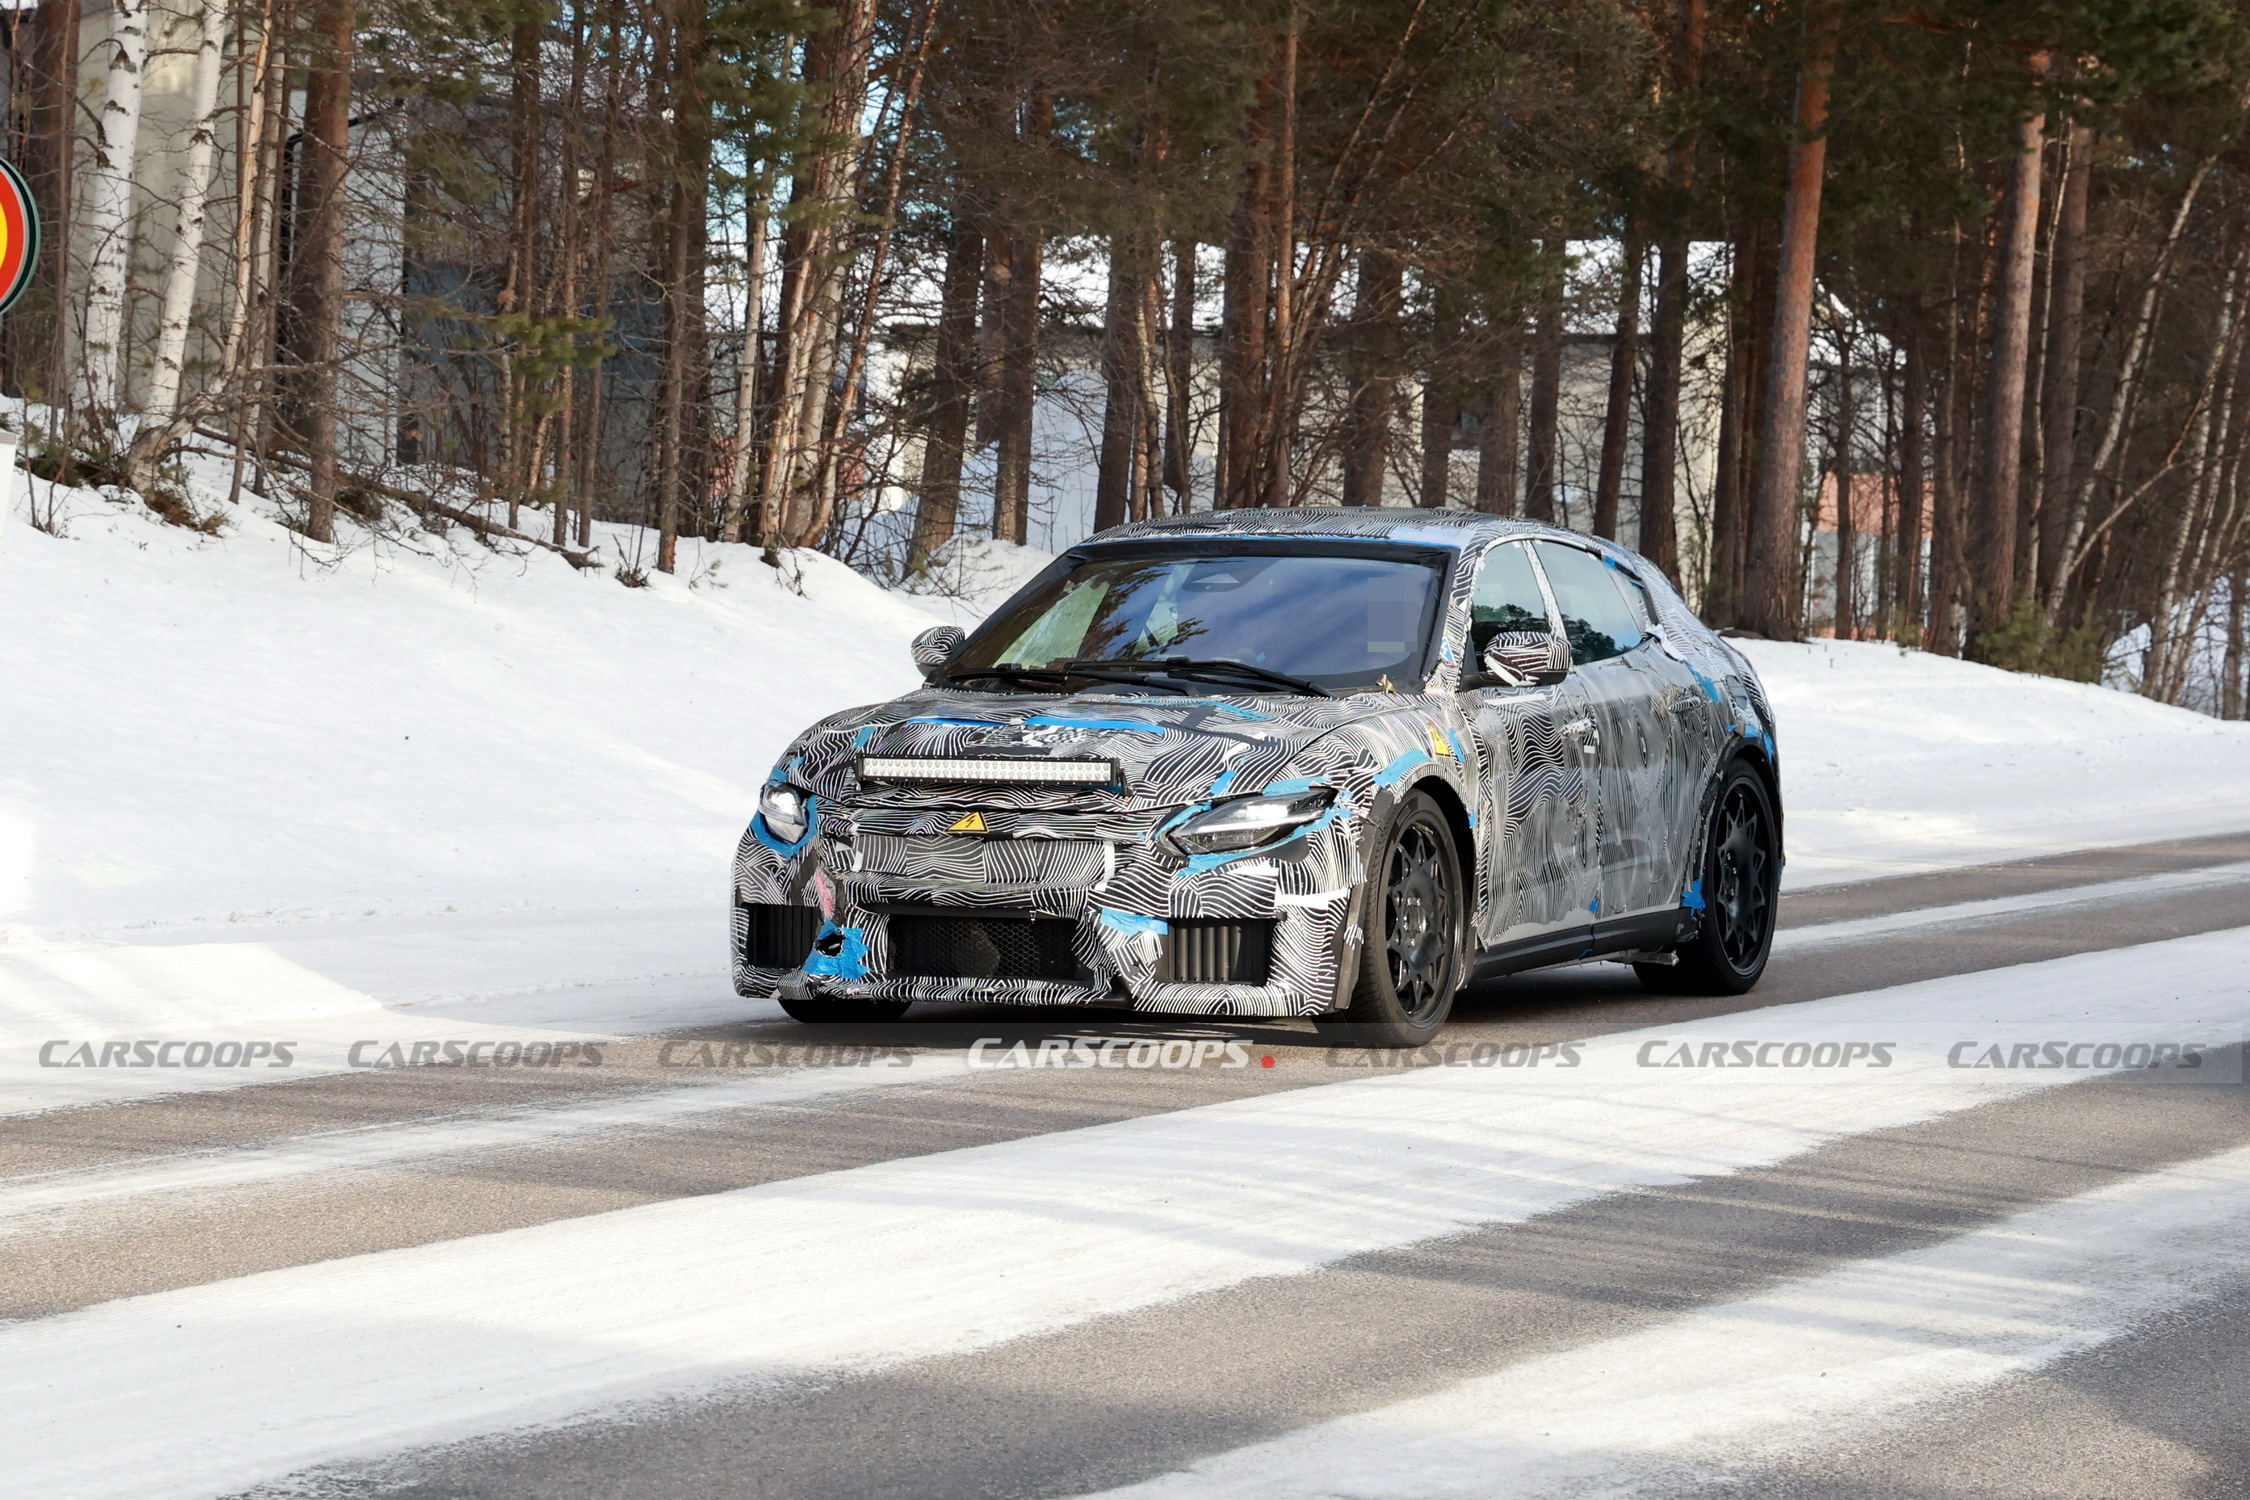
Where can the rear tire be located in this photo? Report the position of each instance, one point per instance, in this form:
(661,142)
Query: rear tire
(1741,880)
(833,1012)
(1414,915)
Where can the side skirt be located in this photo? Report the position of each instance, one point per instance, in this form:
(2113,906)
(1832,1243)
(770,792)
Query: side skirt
(1651,929)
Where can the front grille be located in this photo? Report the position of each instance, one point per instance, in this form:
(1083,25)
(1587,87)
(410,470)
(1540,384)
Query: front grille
(1199,951)
(776,936)
(967,946)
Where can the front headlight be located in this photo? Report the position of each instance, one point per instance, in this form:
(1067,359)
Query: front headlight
(1248,822)
(784,808)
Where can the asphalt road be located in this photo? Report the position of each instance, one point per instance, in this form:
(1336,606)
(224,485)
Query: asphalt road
(120,1201)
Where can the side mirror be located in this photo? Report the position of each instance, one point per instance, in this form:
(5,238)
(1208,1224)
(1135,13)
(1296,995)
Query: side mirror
(1526,658)
(934,647)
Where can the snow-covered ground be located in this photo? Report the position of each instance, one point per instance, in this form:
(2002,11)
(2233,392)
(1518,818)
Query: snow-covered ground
(259,790)
(1895,761)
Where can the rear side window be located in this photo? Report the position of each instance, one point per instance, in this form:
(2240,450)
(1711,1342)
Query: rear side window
(1596,618)
(1507,597)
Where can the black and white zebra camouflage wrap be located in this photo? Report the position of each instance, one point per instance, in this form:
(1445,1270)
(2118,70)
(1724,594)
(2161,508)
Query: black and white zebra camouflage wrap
(1579,802)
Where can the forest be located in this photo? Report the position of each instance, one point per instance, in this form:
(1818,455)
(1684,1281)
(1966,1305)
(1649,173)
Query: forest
(1917,322)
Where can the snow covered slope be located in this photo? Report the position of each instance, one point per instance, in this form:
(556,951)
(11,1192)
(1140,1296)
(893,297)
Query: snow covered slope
(1896,760)
(205,730)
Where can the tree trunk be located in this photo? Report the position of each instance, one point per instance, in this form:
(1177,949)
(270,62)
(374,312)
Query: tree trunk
(1999,467)
(1281,352)
(1499,462)
(1019,387)
(1132,263)
(1441,406)
(1617,414)
(1913,480)
(953,381)
(1545,457)
(109,208)
(2231,696)
(153,443)
(742,477)
(1946,549)
(1249,309)
(319,254)
(1179,379)
(1840,465)
(1023,253)
(2066,322)
(1772,589)
(683,309)
(1749,314)
(1374,398)
(1660,431)
(823,196)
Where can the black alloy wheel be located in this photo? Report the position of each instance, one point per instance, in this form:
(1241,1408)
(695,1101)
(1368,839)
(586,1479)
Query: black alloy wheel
(1411,932)
(1741,888)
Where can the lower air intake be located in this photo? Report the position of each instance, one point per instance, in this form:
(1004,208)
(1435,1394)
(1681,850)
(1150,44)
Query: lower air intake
(1208,952)
(774,936)
(965,946)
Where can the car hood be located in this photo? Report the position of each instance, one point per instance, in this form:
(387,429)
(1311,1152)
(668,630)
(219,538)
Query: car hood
(1170,751)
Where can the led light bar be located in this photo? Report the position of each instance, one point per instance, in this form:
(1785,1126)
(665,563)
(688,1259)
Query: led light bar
(988,771)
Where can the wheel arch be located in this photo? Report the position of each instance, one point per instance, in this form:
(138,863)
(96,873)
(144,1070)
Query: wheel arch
(1449,802)
(1754,753)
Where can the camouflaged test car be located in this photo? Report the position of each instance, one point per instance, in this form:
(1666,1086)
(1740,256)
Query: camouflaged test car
(1328,763)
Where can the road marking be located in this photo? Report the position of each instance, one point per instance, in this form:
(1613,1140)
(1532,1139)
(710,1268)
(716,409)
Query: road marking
(2133,888)
(853,1271)
(28,1203)
(1813,1363)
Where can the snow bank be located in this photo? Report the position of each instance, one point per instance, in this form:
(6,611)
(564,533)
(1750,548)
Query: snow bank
(1894,761)
(208,730)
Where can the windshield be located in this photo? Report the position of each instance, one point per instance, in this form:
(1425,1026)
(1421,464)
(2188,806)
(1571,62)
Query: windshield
(1338,621)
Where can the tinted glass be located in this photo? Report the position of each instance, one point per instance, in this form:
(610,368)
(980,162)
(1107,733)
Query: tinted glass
(1340,621)
(1596,618)
(1507,597)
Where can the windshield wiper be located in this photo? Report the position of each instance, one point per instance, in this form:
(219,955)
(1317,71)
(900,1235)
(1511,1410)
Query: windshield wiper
(1194,670)
(1060,675)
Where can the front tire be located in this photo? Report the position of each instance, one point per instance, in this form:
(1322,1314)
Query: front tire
(836,1012)
(1741,891)
(1414,915)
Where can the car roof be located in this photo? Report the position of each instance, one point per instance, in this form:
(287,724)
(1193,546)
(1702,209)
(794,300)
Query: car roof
(1439,528)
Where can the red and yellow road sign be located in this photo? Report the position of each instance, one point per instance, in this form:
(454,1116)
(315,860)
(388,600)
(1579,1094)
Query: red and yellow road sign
(19,235)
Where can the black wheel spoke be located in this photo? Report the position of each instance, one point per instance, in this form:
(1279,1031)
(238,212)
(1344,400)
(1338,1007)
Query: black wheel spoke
(1418,910)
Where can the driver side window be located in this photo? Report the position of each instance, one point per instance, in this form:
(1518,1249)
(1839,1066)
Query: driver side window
(1507,598)
(1596,618)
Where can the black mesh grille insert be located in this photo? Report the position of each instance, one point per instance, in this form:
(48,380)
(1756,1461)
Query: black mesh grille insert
(967,946)
(1199,951)
(776,936)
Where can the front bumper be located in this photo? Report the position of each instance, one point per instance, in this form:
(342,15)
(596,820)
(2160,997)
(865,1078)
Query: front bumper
(1104,914)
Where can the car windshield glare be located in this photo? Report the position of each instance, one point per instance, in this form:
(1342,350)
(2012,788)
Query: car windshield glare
(1339,621)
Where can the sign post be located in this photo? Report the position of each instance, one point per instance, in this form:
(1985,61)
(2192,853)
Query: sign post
(19,257)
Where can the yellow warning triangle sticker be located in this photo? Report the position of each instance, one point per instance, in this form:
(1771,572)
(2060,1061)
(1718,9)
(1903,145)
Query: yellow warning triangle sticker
(968,823)
(1439,744)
